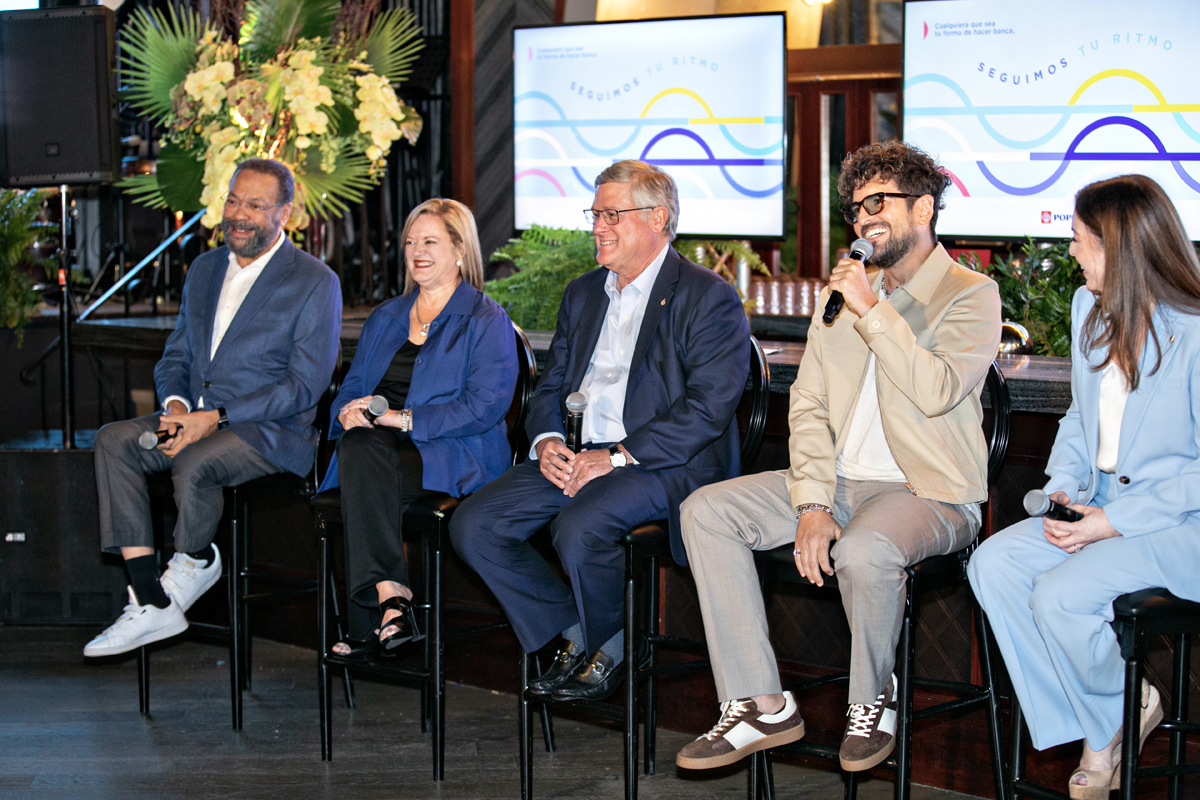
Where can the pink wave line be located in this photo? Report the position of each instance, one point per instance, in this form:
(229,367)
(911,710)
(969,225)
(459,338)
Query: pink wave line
(956,181)
(541,174)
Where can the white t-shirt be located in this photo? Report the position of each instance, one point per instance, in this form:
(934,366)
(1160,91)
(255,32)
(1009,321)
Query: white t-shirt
(1114,391)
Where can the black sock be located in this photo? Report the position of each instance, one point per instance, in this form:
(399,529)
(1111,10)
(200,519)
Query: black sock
(143,574)
(204,556)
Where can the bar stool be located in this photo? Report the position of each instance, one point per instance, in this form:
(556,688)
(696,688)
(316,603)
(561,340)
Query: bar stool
(932,573)
(645,546)
(1136,617)
(240,502)
(427,520)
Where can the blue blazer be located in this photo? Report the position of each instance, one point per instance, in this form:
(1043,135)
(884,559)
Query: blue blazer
(687,375)
(276,359)
(1159,451)
(462,386)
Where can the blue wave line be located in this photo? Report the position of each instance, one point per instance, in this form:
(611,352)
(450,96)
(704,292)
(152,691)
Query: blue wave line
(750,151)
(704,145)
(1083,134)
(1188,129)
(987,126)
(586,185)
(600,151)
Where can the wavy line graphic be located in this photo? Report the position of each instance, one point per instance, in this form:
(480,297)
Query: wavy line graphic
(712,161)
(540,173)
(1071,150)
(600,151)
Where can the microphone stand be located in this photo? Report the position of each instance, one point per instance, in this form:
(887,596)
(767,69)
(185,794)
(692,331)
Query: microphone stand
(66,381)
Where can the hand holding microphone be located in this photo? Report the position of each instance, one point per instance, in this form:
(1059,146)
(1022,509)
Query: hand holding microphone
(576,405)
(377,406)
(1039,504)
(860,250)
(152,439)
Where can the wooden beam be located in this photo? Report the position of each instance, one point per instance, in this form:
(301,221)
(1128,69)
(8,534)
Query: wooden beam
(462,103)
(845,62)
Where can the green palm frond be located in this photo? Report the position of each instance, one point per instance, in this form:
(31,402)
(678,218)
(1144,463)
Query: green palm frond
(143,189)
(272,24)
(393,44)
(157,54)
(330,194)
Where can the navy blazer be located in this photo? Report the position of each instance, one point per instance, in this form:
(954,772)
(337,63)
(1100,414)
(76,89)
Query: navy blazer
(275,360)
(687,375)
(462,386)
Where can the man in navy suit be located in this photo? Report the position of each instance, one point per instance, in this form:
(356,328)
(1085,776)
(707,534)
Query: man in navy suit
(253,350)
(660,347)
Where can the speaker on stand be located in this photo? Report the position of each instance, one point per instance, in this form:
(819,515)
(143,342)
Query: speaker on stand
(58,124)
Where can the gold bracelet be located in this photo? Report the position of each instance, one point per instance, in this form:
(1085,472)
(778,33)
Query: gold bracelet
(801,510)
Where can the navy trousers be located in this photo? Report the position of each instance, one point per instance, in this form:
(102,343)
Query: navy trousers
(492,528)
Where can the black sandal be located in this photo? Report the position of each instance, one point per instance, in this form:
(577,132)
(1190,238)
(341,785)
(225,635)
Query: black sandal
(360,650)
(406,629)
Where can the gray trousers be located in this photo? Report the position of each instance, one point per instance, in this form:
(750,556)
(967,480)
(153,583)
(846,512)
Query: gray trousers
(199,473)
(885,528)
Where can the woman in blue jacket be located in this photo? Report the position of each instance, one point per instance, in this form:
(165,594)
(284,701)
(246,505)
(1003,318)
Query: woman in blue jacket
(444,356)
(1127,457)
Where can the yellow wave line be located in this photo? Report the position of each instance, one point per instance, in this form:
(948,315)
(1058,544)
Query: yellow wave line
(711,119)
(1162,105)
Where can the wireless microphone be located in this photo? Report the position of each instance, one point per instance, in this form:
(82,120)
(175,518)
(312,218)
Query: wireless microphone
(576,403)
(1039,504)
(377,406)
(860,250)
(152,439)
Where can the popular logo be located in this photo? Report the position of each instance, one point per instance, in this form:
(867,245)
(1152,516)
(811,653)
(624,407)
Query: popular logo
(1046,217)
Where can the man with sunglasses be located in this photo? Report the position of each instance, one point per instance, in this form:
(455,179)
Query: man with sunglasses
(660,348)
(251,354)
(888,465)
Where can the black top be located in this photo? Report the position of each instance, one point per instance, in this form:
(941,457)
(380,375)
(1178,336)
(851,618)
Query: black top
(395,383)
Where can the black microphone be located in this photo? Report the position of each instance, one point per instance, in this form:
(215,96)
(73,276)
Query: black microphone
(576,403)
(377,406)
(1039,504)
(152,439)
(860,250)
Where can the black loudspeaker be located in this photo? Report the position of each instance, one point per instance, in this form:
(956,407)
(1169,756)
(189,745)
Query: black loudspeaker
(58,97)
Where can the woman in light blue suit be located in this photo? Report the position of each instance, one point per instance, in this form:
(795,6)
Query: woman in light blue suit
(1127,456)
(444,357)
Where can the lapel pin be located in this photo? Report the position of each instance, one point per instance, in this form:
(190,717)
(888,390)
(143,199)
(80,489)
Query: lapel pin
(1171,340)
(664,302)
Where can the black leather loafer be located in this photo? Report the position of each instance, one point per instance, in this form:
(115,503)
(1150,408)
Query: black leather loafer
(595,680)
(566,661)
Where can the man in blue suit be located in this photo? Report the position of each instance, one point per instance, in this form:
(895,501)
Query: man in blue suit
(660,347)
(252,352)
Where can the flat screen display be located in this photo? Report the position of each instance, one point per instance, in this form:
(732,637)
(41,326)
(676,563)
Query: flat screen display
(703,98)
(1025,102)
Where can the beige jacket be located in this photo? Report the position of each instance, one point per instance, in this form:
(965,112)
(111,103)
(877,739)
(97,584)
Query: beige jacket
(933,342)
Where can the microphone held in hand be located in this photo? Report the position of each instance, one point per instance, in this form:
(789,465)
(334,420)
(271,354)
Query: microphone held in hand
(1039,504)
(860,250)
(377,406)
(152,439)
(576,403)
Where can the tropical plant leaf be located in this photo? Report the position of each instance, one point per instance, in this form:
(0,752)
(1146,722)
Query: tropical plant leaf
(143,189)
(272,24)
(393,44)
(18,230)
(157,54)
(548,259)
(182,179)
(330,194)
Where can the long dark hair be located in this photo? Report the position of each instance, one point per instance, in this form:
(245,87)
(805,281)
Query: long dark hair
(1148,261)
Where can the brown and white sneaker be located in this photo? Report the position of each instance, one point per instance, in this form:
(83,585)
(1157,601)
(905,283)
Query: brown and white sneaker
(870,731)
(743,730)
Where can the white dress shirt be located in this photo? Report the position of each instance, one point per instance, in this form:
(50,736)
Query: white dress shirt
(239,281)
(1114,392)
(607,374)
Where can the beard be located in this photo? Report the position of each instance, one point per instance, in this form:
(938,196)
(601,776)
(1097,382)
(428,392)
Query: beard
(253,247)
(896,248)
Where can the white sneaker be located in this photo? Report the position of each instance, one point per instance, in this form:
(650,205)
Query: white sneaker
(185,580)
(137,626)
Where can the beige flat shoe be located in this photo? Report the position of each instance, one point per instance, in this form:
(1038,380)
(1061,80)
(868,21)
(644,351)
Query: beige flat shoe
(1102,781)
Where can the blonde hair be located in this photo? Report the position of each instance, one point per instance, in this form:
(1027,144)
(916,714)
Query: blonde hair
(460,224)
(651,186)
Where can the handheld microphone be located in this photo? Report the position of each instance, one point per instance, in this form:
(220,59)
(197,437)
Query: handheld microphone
(1039,504)
(576,403)
(860,250)
(152,439)
(377,406)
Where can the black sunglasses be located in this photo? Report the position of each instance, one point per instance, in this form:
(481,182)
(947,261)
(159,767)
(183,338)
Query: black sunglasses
(872,203)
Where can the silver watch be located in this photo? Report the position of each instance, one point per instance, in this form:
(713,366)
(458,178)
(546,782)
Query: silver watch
(616,457)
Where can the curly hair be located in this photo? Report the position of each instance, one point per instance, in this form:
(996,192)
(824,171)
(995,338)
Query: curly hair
(914,171)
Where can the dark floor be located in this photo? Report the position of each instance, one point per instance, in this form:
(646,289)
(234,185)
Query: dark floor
(72,730)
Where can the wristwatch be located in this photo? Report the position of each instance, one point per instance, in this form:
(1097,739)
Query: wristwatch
(222,419)
(616,457)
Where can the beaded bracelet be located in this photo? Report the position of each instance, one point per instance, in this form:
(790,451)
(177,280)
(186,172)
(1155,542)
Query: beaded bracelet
(801,510)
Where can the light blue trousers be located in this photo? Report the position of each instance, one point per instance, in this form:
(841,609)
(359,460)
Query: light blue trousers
(1051,613)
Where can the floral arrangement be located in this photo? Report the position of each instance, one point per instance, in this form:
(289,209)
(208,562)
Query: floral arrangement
(310,83)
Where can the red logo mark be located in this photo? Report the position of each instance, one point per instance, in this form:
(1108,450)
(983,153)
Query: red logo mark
(1045,217)
(926,24)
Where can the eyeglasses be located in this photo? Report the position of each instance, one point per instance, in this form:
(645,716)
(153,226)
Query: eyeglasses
(873,203)
(233,204)
(611,216)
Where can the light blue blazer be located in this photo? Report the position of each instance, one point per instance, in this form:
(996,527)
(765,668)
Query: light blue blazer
(1158,461)
(462,386)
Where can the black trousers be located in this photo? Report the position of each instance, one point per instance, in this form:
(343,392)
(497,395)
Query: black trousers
(379,471)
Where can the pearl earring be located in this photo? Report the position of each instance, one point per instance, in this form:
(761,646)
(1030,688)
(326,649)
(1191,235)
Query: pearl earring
(457,263)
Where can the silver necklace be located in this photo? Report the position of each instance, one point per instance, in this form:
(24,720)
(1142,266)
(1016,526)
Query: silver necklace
(424,325)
